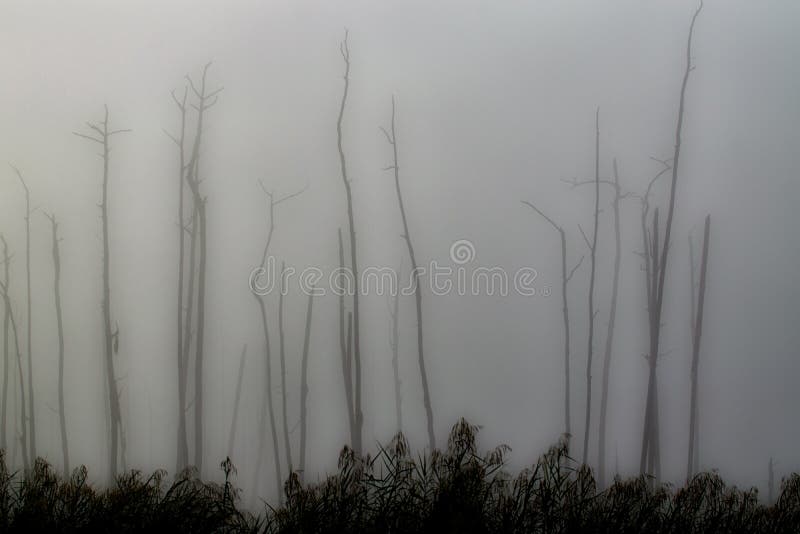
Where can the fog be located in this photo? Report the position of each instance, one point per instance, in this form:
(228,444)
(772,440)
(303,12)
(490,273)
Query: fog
(495,104)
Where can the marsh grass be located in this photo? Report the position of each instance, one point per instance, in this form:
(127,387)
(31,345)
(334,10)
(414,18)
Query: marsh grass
(458,490)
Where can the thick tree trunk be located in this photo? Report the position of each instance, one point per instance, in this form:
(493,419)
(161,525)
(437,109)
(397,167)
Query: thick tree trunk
(426,396)
(304,386)
(23,416)
(200,345)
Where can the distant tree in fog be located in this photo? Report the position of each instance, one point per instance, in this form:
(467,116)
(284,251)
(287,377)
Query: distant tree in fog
(358,415)
(29,310)
(658,271)
(101,133)
(565,278)
(62,417)
(391,137)
(697,332)
(23,419)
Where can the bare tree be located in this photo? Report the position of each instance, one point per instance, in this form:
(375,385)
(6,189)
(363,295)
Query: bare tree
(4,287)
(426,396)
(304,385)
(612,314)
(282,354)
(565,278)
(182,350)
(205,100)
(697,332)
(29,310)
(6,327)
(358,414)
(394,344)
(62,418)
(592,312)
(268,407)
(659,265)
(771,482)
(102,135)
(238,397)
(344,345)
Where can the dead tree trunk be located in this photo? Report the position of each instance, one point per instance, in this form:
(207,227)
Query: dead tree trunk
(344,340)
(697,332)
(29,325)
(358,414)
(205,100)
(272,203)
(6,327)
(282,353)
(565,278)
(60,326)
(592,313)
(235,418)
(394,344)
(304,386)
(612,315)
(111,339)
(426,397)
(182,355)
(660,265)
(23,435)
(771,482)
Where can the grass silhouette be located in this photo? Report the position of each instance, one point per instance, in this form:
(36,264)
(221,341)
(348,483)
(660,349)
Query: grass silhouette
(458,490)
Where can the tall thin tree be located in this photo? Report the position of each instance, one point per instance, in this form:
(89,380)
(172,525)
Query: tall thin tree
(182,355)
(394,344)
(62,417)
(426,396)
(102,135)
(344,340)
(304,385)
(287,445)
(650,433)
(565,278)
(23,420)
(6,327)
(237,399)
(592,269)
(697,333)
(358,413)
(29,310)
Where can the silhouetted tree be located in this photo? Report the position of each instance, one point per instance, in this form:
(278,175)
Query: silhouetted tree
(205,100)
(182,457)
(592,312)
(426,396)
(697,332)
(565,278)
(6,327)
(4,287)
(282,354)
(29,310)
(235,418)
(659,265)
(111,339)
(358,414)
(394,344)
(344,345)
(62,417)
(304,385)
(267,406)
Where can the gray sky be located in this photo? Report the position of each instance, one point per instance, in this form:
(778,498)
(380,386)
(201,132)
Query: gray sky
(496,104)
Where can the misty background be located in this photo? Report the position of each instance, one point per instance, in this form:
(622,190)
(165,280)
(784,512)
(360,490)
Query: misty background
(495,104)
